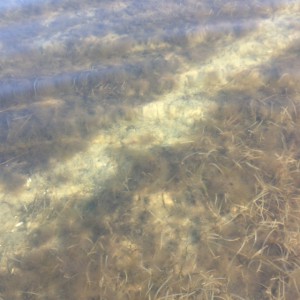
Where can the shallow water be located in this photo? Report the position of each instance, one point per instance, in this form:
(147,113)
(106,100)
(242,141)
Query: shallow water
(149,150)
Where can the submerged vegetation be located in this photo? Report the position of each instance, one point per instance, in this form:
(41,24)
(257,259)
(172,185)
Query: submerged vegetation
(144,163)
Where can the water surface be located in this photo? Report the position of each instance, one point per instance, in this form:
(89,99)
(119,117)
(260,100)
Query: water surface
(149,149)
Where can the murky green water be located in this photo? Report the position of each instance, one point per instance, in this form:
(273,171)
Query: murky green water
(149,150)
